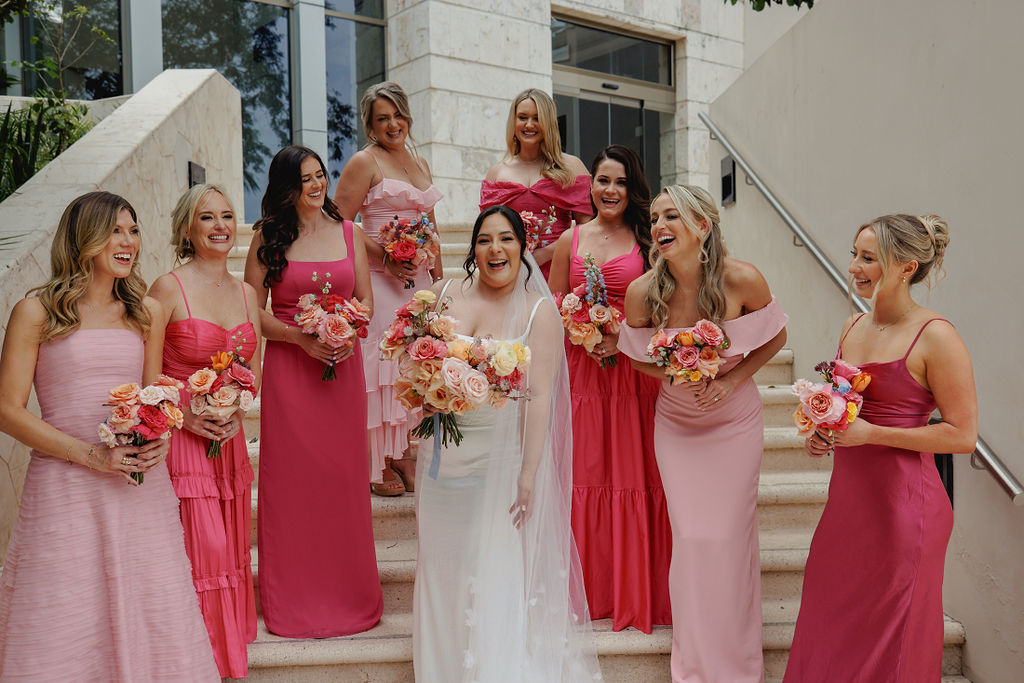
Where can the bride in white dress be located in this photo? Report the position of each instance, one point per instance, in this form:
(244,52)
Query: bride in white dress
(499,596)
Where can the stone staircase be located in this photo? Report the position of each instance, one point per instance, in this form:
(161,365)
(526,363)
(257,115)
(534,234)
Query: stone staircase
(791,496)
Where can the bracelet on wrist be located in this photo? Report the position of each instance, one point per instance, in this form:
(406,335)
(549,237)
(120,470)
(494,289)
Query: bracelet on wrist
(67,454)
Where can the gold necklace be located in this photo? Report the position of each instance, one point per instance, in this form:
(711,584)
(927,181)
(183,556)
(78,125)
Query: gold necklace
(882,328)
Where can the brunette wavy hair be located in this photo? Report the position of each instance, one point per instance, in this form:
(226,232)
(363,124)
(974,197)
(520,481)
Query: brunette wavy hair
(637,214)
(279,225)
(513,217)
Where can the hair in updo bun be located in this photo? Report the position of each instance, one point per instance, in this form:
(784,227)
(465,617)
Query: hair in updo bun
(903,238)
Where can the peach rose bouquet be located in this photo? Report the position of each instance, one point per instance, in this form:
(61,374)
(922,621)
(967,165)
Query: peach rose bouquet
(140,415)
(221,389)
(586,314)
(832,404)
(690,355)
(537,225)
(334,320)
(411,240)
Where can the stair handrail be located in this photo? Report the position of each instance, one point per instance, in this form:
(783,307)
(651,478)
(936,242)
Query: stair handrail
(982,458)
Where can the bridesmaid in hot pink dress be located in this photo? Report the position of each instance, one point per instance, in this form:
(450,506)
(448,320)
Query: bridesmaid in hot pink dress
(385,181)
(708,436)
(871,608)
(535,174)
(317,564)
(208,311)
(619,518)
(96,584)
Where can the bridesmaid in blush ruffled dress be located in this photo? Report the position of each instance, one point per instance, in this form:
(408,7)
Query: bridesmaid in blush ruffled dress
(871,608)
(709,435)
(96,584)
(535,174)
(206,311)
(619,517)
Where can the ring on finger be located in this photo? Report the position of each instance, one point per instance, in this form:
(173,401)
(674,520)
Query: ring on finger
(125,460)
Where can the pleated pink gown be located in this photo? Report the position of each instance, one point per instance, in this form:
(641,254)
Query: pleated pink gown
(871,608)
(619,517)
(710,463)
(96,585)
(317,564)
(215,493)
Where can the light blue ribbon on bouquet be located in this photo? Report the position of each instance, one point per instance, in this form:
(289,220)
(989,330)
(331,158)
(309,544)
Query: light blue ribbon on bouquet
(435,460)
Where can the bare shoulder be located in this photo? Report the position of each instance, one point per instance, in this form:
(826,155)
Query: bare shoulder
(744,281)
(848,324)
(423,163)
(497,171)
(155,308)
(637,312)
(939,333)
(164,287)
(362,162)
(575,165)
(29,313)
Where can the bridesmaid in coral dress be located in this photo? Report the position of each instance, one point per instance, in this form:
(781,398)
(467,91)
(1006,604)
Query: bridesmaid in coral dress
(96,583)
(708,436)
(385,181)
(317,564)
(619,518)
(535,174)
(871,608)
(206,311)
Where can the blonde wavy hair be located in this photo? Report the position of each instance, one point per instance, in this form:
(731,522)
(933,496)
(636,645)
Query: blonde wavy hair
(393,93)
(554,166)
(904,237)
(695,207)
(83,233)
(185,212)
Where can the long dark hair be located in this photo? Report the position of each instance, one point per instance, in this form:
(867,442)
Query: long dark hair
(469,265)
(637,214)
(280,222)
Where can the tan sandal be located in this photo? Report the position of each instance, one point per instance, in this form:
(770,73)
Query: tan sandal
(388,487)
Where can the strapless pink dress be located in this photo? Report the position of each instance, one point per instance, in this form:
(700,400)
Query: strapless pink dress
(387,419)
(96,585)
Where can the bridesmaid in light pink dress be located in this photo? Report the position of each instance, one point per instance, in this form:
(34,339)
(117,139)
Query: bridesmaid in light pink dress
(385,181)
(708,436)
(96,585)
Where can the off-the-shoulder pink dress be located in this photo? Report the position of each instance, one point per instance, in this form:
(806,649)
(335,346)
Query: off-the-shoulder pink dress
(710,462)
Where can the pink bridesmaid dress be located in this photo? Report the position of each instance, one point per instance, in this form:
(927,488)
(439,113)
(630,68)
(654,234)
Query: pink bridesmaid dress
(216,508)
(317,563)
(541,196)
(871,608)
(388,420)
(96,585)
(619,518)
(710,463)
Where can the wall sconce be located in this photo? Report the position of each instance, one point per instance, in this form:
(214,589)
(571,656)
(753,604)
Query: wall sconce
(196,174)
(728,181)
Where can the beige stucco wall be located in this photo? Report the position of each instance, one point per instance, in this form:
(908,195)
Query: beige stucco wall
(875,107)
(139,151)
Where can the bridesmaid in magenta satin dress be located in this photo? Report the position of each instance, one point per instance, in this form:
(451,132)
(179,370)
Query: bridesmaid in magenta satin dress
(619,517)
(871,608)
(535,174)
(317,564)
(208,311)
(708,436)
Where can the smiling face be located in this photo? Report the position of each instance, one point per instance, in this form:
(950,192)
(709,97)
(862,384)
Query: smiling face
(866,268)
(609,190)
(121,249)
(497,252)
(213,225)
(668,229)
(388,126)
(527,126)
(313,184)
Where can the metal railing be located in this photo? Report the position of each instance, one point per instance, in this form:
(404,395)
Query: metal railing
(982,458)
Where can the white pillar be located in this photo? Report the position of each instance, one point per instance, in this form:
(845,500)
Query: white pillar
(309,78)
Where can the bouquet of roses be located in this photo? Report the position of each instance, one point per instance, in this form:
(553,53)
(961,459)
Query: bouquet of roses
(586,314)
(138,416)
(690,355)
(537,225)
(833,404)
(334,320)
(411,240)
(221,389)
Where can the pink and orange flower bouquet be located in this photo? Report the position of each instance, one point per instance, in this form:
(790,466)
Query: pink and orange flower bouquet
(586,314)
(334,320)
(221,389)
(691,355)
(140,415)
(411,240)
(833,404)
(537,226)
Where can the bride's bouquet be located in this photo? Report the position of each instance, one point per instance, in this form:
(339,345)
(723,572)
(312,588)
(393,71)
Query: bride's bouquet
(832,404)
(140,415)
(690,355)
(537,225)
(334,320)
(221,389)
(411,240)
(586,314)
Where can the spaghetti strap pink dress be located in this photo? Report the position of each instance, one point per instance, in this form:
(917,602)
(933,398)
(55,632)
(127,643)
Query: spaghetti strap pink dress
(871,608)
(710,464)
(317,563)
(96,585)
(216,508)
(619,518)
(388,420)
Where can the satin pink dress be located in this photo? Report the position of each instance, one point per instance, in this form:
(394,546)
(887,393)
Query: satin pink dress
(388,420)
(216,506)
(871,608)
(96,585)
(619,517)
(710,464)
(317,563)
(540,196)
